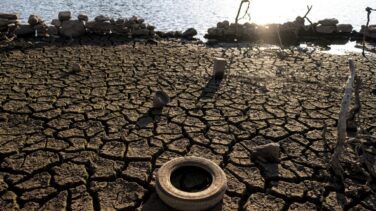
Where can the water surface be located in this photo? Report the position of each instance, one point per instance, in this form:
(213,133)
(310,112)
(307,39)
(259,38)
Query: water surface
(200,14)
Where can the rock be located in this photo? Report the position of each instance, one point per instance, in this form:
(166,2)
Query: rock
(372,28)
(76,67)
(101,18)
(161,99)
(41,30)
(299,21)
(119,29)
(370,32)
(150,27)
(161,34)
(34,20)
(212,41)
(10,16)
(326,29)
(212,32)
(72,28)
(219,67)
(178,34)
(64,16)
(99,27)
(223,25)
(56,23)
(344,28)
(226,24)
(6,22)
(189,33)
(135,19)
(328,22)
(82,17)
(52,30)
(24,30)
(140,32)
(268,152)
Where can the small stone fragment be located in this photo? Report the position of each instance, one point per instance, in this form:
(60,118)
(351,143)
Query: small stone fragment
(76,67)
(268,152)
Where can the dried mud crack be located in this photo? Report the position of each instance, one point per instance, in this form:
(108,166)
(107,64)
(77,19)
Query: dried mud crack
(90,140)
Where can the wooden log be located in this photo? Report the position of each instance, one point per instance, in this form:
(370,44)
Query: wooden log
(342,121)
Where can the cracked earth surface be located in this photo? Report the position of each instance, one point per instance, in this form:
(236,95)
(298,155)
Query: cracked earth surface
(91,140)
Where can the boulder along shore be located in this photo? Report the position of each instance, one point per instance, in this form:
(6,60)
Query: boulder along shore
(284,34)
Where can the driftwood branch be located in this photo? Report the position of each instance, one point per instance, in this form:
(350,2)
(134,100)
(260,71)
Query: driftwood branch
(351,119)
(309,8)
(341,128)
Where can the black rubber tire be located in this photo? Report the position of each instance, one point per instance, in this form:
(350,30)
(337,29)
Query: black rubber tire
(182,200)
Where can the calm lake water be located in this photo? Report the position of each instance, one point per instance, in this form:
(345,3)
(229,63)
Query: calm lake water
(200,14)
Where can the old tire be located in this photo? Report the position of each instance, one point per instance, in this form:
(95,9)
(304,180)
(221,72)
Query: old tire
(182,200)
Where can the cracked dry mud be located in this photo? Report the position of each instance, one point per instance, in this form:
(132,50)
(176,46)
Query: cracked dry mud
(91,140)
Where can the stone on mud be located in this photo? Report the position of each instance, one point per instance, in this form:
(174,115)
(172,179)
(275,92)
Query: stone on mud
(268,152)
(52,30)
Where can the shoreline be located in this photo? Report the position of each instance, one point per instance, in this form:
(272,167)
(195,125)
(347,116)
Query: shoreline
(325,32)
